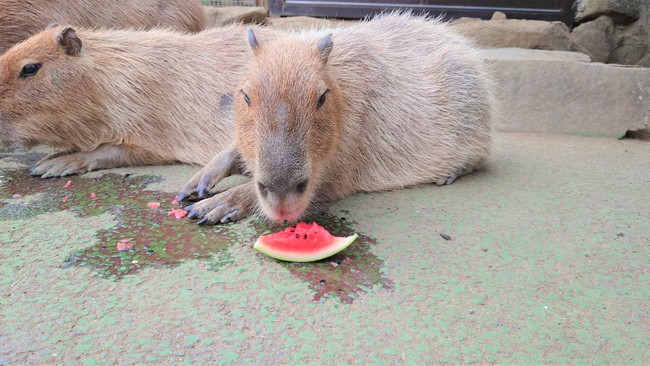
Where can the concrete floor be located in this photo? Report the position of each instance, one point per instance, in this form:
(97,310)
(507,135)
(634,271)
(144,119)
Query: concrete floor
(548,262)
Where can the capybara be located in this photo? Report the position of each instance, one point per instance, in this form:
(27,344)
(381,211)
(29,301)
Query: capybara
(385,104)
(19,19)
(112,98)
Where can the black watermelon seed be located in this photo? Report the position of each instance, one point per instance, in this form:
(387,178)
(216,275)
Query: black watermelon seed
(305,236)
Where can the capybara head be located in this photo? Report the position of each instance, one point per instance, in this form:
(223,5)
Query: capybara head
(42,89)
(288,122)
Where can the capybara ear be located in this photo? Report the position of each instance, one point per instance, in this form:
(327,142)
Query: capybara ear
(52,25)
(252,40)
(68,40)
(325,47)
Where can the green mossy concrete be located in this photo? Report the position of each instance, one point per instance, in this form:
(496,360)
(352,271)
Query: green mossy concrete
(548,262)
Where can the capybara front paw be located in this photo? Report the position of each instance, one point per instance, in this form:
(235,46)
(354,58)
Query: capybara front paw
(231,205)
(60,165)
(222,165)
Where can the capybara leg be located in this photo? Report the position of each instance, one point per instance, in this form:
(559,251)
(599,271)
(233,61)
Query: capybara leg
(224,164)
(231,205)
(104,157)
(442,181)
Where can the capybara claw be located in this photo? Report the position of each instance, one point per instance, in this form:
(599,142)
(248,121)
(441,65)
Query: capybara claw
(231,216)
(446,180)
(203,193)
(203,189)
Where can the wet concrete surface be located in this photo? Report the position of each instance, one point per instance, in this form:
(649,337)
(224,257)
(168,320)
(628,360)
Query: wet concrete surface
(543,257)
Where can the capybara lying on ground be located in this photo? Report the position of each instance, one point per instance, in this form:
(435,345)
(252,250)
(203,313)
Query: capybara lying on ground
(19,19)
(112,98)
(320,114)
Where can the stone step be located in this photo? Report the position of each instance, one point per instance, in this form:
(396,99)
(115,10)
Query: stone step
(563,92)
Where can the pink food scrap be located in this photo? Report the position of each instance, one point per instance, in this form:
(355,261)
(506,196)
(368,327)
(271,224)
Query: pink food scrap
(153,205)
(17,195)
(124,244)
(179,213)
(93,195)
(67,184)
(175,201)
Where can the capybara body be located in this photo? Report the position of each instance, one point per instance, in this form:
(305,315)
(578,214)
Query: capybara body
(114,98)
(19,19)
(385,104)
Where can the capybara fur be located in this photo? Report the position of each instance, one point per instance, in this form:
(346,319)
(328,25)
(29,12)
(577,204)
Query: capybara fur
(19,19)
(385,104)
(110,98)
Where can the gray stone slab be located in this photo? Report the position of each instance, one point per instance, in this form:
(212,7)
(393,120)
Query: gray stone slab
(546,91)
(533,34)
(220,16)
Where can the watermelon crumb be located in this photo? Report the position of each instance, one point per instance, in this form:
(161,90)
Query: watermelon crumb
(179,213)
(17,195)
(93,195)
(153,205)
(175,201)
(65,198)
(124,244)
(67,184)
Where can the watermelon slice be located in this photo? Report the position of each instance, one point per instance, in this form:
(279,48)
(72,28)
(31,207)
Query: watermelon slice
(304,243)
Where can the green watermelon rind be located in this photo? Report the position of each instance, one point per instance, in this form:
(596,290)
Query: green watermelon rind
(338,245)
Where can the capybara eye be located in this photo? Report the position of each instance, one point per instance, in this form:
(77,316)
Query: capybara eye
(262,188)
(302,186)
(246,98)
(29,70)
(322,98)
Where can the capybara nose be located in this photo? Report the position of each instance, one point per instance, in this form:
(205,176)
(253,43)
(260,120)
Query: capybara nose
(282,188)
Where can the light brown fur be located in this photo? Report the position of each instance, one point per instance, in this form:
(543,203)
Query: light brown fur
(19,19)
(124,97)
(409,102)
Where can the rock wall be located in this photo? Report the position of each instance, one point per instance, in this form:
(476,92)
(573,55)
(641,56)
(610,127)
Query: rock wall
(609,31)
(614,31)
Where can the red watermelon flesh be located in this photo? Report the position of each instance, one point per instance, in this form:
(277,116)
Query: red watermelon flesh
(304,243)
